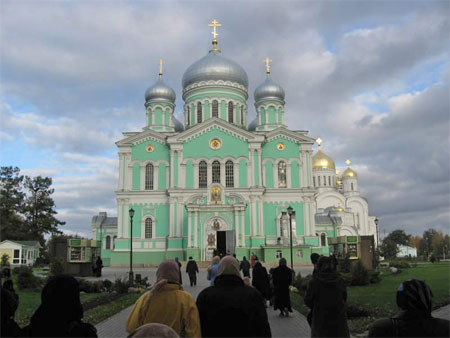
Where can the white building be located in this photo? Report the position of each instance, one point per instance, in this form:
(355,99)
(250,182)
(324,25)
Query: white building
(20,252)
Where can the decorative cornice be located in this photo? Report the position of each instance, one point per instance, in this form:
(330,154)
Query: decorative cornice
(219,83)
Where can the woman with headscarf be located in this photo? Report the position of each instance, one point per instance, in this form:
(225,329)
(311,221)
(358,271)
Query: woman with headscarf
(282,279)
(60,312)
(327,297)
(414,300)
(153,330)
(167,303)
(179,268)
(230,308)
(213,270)
(261,280)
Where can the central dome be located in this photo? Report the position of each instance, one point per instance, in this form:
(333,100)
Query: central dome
(215,67)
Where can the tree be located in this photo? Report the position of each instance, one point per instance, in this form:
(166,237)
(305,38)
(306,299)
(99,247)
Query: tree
(426,247)
(399,237)
(39,208)
(388,249)
(415,242)
(11,203)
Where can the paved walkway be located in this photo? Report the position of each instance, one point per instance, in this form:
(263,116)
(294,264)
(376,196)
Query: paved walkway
(293,326)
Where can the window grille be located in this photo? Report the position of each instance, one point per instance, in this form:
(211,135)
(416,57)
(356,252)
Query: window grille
(230,112)
(216,172)
(282,174)
(323,240)
(229,174)
(149,177)
(108,243)
(148,228)
(215,108)
(202,175)
(199,112)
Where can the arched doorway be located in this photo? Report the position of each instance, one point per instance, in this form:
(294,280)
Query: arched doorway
(218,238)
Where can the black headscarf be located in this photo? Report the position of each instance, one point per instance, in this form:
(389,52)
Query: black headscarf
(60,306)
(326,265)
(414,295)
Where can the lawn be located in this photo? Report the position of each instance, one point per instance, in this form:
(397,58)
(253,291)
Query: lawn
(379,299)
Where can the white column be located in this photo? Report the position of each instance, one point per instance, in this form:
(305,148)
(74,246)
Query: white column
(275,175)
(195,175)
(171,221)
(236,174)
(222,173)
(251,177)
(155,176)
(119,219)
(253,216)
(168,178)
(306,219)
(302,169)
(178,223)
(196,229)
(142,177)
(126,225)
(189,230)
(172,168)
(259,166)
(182,176)
(288,175)
(242,227)
(261,218)
(209,173)
(121,171)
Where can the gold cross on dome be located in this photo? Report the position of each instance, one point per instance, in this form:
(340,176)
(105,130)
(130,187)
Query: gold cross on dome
(267,60)
(214,24)
(319,141)
(161,67)
(348,162)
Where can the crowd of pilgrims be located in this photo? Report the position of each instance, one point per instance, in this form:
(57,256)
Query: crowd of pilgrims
(232,306)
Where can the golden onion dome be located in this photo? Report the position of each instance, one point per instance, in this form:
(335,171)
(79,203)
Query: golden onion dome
(349,173)
(322,161)
(339,208)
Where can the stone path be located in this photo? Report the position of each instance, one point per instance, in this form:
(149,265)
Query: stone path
(293,326)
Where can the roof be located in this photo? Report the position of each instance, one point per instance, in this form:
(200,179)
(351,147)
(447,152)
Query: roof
(104,221)
(326,219)
(24,243)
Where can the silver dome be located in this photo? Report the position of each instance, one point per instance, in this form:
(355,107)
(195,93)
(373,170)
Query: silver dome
(178,125)
(160,91)
(269,89)
(214,66)
(252,126)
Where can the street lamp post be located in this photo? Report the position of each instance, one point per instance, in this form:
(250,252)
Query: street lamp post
(291,213)
(131,277)
(376,224)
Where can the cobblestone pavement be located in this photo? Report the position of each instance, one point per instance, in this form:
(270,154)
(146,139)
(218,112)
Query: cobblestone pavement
(293,326)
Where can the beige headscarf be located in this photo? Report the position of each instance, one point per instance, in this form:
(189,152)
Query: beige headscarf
(153,330)
(229,266)
(215,260)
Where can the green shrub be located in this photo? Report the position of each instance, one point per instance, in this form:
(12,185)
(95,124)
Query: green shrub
(26,279)
(121,285)
(347,277)
(107,284)
(345,265)
(56,266)
(90,287)
(400,264)
(357,310)
(5,260)
(19,269)
(360,275)
(298,281)
(374,277)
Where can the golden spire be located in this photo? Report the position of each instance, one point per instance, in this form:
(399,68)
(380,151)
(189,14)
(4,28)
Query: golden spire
(214,24)
(160,67)
(319,142)
(337,171)
(348,162)
(267,60)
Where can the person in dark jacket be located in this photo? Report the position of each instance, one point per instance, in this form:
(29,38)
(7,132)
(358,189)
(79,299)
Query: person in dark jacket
(245,267)
(9,304)
(98,267)
(261,280)
(282,279)
(230,308)
(179,268)
(314,259)
(326,297)
(414,299)
(192,270)
(60,312)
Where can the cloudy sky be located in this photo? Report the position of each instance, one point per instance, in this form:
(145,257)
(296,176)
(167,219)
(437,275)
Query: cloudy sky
(370,78)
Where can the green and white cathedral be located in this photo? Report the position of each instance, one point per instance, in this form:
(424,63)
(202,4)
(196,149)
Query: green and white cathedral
(217,182)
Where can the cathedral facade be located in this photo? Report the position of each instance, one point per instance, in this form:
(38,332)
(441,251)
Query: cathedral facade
(219,183)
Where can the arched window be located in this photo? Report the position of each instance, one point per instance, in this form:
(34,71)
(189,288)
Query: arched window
(108,243)
(230,112)
(114,242)
(215,108)
(323,240)
(199,112)
(351,185)
(329,181)
(216,172)
(202,175)
(314,181)
(148,228)
(282,174)
(149,177)
(229,174)
(188,116)
(242,115)
(324,181)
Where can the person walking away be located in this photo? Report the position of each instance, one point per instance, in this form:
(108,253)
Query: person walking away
(213,270)
(414,300)
(314,259)
(192,270)
(261,280)
(154,330)
(98,267)
(230,308)
(179,268)
(9,304)
(166,303)
(252,260)
(60,313)
(326,297)
(282,279)
(245,267)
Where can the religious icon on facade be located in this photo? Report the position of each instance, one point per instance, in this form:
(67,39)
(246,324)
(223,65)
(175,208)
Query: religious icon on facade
(215,194)
(216,224)
(280,146)
(211,239)
(215,144)
(150,148)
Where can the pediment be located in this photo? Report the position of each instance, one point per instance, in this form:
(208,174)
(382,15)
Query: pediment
(290,135)
(139,137)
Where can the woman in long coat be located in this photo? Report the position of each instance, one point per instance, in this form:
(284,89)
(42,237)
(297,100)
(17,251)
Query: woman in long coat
(261,280)
(282,279)
(327,296)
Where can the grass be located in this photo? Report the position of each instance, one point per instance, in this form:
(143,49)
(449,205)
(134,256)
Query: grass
(379,299)
(102,312)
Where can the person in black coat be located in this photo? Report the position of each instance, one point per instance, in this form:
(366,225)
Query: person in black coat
(414,299)
(98,267)
(326,297)
(282,279)
(60,312)
(179,268)
(260,280)
(192,270)
(245,267)
(9,304)
(230,308)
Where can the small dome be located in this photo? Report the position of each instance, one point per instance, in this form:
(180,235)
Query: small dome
(349,173)
(339,208)
(323,161)
(215,67)
(160,92)
(269,89)
(178,125)
(253,124)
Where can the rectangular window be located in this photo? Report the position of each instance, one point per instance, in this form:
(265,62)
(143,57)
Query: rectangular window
(229,174)
(16,253)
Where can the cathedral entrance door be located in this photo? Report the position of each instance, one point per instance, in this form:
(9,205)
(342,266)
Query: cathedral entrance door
(225,242)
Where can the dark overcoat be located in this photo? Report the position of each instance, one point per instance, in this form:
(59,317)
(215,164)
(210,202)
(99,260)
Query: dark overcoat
(282,279)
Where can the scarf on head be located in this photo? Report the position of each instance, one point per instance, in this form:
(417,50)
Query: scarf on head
(154,330)
(229,266)
(282,262)
(414,295)
(215,260)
